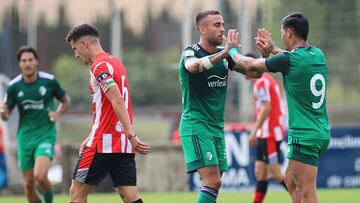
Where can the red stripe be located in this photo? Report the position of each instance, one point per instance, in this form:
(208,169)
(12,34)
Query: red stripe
(86,158)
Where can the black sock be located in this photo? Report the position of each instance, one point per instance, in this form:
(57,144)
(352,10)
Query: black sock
(138,201)
(283,184)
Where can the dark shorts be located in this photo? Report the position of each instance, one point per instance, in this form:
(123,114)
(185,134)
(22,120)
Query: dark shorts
(92,168)
(268,151)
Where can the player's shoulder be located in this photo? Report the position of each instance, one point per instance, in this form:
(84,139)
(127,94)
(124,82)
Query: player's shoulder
(107,65)
(15,80)
(46,76)
(190,51)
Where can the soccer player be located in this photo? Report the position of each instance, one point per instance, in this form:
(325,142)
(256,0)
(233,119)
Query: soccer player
(110,147)
(33,92)
(203,70)
(305,74)
(267,134)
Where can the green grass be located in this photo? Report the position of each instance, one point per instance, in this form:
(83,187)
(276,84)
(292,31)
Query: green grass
(326,196)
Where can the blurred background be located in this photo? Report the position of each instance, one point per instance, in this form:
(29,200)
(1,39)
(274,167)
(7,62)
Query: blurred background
(149,36)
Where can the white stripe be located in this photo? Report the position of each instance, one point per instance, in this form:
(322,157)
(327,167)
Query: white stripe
(110,68)
(123,142)
(129,147)
(107,143)
(266,128)
(267,89)
(46,75)
(278,134)
(16,79)
(98,105)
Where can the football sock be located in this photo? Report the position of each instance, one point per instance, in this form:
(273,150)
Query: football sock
(260,192)
(48,196)
(207,195)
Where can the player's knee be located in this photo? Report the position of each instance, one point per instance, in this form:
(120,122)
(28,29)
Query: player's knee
(214,183)
(307,194)
(75,193)
(129,195)
(260,175)
(29,185)
(40,178)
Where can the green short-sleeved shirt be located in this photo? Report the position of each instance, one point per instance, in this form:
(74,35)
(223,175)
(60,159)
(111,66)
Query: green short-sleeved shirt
(203,95)
(305,74)
(34,101)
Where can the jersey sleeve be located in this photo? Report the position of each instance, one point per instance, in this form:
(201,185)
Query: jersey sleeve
(187,54)
(279,63)
(10,98)
(59,92)
(262,91)
(104,77)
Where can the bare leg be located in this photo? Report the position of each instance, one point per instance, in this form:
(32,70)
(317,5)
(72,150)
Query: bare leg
(128,193)
(32,194)
(79,192)
(305,175)
(41,169)
(261,176)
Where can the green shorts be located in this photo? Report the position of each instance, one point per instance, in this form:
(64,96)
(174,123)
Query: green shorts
(305,150)
(204,150)
(27,155)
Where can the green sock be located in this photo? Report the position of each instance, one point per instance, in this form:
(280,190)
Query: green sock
(48,196)
(205,198)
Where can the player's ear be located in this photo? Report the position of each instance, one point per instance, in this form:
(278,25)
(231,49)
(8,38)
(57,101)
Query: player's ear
(202,29)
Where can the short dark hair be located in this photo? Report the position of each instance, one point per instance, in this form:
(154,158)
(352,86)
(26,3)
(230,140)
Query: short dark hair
(82,30)
(298,22)
(24,49)
(201,15)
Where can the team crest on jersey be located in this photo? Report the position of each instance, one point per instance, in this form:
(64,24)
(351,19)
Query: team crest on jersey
(42,90)
(261,94)
(188,53)
(226,63)
(20,94)
(209,156)
(119,127)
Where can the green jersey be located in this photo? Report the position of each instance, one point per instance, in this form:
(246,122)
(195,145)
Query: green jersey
(305,74)
(203,95)
(34,100)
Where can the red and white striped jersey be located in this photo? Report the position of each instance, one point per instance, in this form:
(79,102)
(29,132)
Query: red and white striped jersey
(266,89)
(107,132)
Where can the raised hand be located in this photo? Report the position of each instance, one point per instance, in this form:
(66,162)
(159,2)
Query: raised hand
(264,42)
(231,40)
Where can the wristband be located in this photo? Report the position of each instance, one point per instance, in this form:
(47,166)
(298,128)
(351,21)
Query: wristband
(233,51)
(206,62)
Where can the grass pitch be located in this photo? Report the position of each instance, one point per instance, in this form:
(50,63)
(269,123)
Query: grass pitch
(325,195)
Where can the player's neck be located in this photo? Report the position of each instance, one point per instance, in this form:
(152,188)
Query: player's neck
(207,46)
(299,43)
(30,78)
(97,50)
